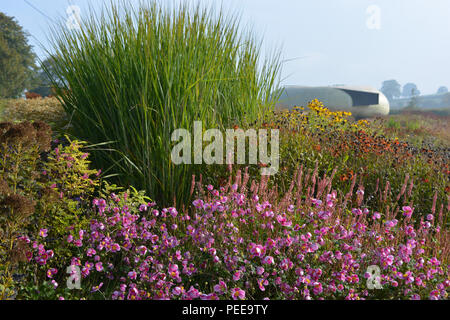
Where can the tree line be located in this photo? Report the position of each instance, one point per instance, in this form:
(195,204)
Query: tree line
(393,90)
(19,69)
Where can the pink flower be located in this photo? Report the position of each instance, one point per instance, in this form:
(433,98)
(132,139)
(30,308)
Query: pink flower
(281,219)
(220,288)
(55,284)
(142,250)
(99,266)
(97,288)
(173,271)
(237,294)
(76,261)
(51,272)
(173,212)
(407,211)
(43,233)
(211,296)
(177,291)
(434,262)
(268,260)
(193,293)
(316,202)
(198,204)
(317,288)
(389,260)
(391,223)
(115,247)
(262,283)
(257,250)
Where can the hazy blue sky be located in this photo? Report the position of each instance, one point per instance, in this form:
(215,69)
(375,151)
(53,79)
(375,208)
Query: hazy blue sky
(330,38)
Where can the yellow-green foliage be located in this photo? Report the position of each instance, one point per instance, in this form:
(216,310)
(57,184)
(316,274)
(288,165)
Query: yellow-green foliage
(48,110)
(66,176)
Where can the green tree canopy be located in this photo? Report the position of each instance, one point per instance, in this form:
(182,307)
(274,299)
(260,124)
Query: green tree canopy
(17,60)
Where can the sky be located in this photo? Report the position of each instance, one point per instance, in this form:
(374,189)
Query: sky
(322,42)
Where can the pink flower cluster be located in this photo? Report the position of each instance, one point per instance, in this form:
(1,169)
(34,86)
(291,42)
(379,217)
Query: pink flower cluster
(232,245)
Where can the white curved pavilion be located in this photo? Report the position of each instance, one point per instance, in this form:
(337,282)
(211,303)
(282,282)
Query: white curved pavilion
(362,102)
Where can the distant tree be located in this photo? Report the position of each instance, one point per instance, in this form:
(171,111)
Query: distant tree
(442,90)
(17,60)
(43,78)
(410,90)
(412,105)
(391,89)
(446,100)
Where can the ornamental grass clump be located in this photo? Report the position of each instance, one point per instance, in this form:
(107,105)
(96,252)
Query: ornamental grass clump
(131,76)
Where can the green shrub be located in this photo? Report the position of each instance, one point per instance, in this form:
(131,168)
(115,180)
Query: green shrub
(132,76)
(392,123)
(39,189)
